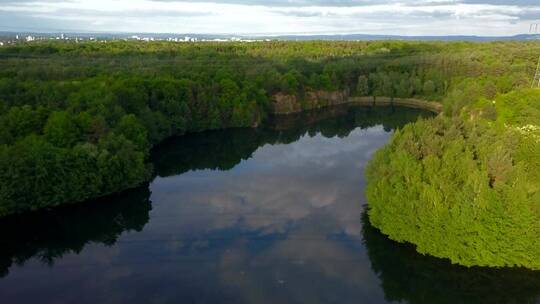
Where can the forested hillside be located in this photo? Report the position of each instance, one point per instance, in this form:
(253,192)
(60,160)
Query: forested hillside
(466,185)
(77,121)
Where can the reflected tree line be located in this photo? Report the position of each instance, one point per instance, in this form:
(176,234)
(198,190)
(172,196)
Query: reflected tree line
(408,276)
(222,150)
(48,235)
(405,275)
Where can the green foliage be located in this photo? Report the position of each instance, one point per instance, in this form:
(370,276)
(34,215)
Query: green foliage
(519,108)
(37,174)
(130,127)
(429,87)
(61,130)
(21,121)
(462,189)
(362,87)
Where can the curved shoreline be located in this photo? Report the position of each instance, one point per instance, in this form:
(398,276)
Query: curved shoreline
(292,106)
(431,106)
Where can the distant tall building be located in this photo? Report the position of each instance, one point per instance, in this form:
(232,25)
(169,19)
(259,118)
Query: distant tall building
(534,28)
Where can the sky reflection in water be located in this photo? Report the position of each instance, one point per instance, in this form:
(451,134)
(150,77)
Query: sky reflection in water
(243,216)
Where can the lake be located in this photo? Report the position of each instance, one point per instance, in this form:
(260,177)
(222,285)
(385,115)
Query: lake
(268,215)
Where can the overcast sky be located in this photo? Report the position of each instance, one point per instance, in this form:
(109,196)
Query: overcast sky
(405,17)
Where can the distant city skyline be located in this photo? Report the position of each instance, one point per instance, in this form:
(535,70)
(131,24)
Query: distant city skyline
(279,17)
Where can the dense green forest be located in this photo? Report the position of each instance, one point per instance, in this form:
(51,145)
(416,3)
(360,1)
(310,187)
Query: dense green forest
(78,120)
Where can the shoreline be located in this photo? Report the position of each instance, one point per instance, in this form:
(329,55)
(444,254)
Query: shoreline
(368,101)
(414,103)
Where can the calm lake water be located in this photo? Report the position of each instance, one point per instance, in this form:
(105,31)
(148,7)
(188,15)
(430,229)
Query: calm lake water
(273,215)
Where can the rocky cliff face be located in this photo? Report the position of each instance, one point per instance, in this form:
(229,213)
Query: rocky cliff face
(287,104)
(432,106)
(284,104)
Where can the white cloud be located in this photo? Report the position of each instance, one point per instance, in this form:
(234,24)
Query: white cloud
(406,17)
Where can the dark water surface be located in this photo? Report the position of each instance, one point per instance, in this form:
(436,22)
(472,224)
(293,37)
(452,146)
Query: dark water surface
(273,215)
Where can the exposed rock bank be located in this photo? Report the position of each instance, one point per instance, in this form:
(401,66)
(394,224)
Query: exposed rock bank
(288,104)
(283,104)
(404,102)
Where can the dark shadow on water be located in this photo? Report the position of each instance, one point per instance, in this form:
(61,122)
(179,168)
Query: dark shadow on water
(409,277)
(51,234)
